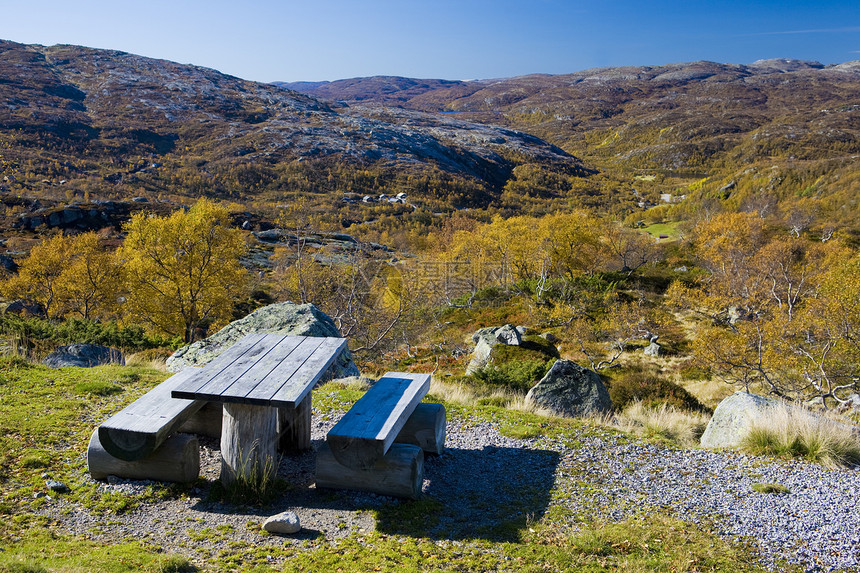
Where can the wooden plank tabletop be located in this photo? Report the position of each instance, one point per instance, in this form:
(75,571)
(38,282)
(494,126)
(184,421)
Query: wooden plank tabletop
(264,370)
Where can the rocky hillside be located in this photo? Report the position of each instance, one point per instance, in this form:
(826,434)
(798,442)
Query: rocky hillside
(671,117)
(77,121)
(771,133)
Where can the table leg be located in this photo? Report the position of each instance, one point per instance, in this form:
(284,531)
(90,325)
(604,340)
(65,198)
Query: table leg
(294,427)
(248,443)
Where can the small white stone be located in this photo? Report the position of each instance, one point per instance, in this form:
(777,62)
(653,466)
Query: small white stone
(286,522)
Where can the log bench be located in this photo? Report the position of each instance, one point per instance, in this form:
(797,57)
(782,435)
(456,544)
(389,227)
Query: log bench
(141,440)
(379,444)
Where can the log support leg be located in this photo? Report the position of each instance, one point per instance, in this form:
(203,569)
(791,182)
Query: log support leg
(294,427)
(177,460)
(425,428)
(205,422)
(248,444)
(399,473)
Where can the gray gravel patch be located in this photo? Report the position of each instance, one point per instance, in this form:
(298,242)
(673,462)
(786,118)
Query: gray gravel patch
(490,486)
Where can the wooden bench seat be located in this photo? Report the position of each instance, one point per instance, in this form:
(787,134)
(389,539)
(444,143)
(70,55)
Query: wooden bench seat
(367,430)
(137,430)
(379,444)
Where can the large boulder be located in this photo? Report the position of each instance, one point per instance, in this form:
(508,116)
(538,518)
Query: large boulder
(83,355)
(571,391)
(281,318)
(485,339)
(733,418)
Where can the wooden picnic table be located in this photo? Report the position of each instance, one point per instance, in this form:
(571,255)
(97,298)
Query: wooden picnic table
(265,383)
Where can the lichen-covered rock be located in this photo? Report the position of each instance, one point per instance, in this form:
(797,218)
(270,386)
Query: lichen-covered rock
(571,391)
(83,355)
(733,418)
(281,318)
(486,338)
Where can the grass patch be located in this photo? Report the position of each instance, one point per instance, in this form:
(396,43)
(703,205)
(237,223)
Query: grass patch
(252,485)
(790,431)
(40,549)
(770,488)
(669,229)
(98,387)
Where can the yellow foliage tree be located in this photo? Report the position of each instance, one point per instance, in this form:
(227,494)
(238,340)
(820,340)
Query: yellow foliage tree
(38,278)
(784,309)
(183,271)
(68,275)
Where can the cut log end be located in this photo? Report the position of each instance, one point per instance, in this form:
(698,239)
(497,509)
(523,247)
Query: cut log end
(425,428)
(355,453)
(126,445)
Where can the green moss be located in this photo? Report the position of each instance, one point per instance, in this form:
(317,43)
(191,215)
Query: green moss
(518,367)
(36,459)
(98,387)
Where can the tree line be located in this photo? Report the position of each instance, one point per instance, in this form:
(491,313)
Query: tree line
(772,308)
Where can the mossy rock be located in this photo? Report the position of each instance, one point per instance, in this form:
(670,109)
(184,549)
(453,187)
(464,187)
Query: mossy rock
(518,367)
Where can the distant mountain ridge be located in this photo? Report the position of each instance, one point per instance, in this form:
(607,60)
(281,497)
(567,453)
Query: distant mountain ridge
(78,124)
(99,119)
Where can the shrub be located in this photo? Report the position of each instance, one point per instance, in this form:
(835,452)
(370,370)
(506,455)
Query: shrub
(651,391)
(695,372)
(518,367)
(37,332)
(515,374)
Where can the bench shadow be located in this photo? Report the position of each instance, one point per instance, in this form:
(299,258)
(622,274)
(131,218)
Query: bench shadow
(491,493)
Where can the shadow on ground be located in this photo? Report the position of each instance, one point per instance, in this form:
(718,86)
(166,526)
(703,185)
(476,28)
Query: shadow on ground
(492,493)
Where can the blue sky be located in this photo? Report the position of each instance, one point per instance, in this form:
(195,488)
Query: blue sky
(268,40)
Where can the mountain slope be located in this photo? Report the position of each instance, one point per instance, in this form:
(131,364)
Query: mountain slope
(115,124)
(776,134)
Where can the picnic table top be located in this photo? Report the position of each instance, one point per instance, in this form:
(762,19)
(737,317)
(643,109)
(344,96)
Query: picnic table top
(264,370)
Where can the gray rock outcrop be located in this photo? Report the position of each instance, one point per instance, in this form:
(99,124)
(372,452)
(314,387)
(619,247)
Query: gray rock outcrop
(733,418)
(571,391)
(83,355)
(485,339)
(652,349)
(284,523)
(281,318)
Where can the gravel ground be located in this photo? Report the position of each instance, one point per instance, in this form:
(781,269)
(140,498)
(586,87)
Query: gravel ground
(485,482)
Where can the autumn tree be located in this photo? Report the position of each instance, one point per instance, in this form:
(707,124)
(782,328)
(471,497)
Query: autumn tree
(68,275)
(38,278)
(781,309)
(183,271)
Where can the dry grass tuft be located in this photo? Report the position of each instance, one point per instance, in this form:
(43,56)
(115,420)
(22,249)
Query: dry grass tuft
(792,431)
(465,395)
(680,426)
